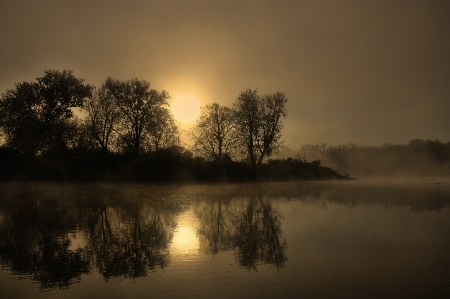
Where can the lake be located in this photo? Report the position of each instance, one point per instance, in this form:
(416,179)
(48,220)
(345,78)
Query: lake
(367,238)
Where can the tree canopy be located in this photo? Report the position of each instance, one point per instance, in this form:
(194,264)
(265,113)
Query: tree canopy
(212,133)
(102,115)
(129,117)
(140,108)
(258,123)
(34,113)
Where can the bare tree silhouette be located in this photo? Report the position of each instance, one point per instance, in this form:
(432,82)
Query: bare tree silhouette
(258,122)
(212,134)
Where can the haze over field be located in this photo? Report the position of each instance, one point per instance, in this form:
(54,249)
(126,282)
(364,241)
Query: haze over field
(360,71)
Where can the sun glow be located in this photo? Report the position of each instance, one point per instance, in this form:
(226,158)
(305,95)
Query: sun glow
(185,108)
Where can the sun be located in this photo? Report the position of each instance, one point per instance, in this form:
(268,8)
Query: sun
(185,108)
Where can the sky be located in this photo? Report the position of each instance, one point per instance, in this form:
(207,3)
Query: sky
(366,72)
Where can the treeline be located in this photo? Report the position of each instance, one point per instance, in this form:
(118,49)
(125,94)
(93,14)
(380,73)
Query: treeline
(129,133)
(418,157)
(174,164)
(129,117)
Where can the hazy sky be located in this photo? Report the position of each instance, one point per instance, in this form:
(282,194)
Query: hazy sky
(366,72)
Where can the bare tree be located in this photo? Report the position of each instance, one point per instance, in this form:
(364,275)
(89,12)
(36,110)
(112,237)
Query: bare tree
(102,115)
(258,122)
(212,133)
(246,114)
(272,109)
(137,104)
(162,130)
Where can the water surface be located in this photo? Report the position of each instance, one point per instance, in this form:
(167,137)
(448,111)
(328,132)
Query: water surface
(358,239)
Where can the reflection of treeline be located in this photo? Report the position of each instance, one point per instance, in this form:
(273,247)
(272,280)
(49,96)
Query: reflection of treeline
(258,237)
(128,132)
(122,232)
(418,157)
(122,238)
(129,242)
(125,230)
(32,243)
(252,229)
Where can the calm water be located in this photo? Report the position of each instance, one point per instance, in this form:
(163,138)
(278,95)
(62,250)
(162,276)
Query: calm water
(358,239)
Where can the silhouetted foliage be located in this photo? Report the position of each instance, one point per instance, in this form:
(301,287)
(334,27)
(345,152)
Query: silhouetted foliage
(140,108)
(128,133)
(33,116)
(258,123)
(162,131)
(212,133)
(102,116)
(173,164)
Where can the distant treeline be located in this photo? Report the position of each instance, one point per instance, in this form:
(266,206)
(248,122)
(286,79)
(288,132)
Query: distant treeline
(418,157)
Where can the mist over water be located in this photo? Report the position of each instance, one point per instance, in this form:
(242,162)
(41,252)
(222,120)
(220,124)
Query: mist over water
(367,238)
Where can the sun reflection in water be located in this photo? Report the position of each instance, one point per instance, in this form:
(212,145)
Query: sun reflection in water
(185,240)
(184,237)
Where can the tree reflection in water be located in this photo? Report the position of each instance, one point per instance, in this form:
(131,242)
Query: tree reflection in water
(50,261)
(123,237)
(215,229)
(258,234)
(127,240)
(54,265)
(31,244)
(127,230)
(252,229)
(129,243)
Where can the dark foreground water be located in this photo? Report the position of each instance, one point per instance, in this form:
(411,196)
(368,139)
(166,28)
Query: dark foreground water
(354,239)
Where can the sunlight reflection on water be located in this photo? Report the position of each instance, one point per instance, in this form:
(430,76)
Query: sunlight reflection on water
(185,244)
(340,239)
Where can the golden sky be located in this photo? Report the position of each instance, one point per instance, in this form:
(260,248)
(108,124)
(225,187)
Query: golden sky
(367,72)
